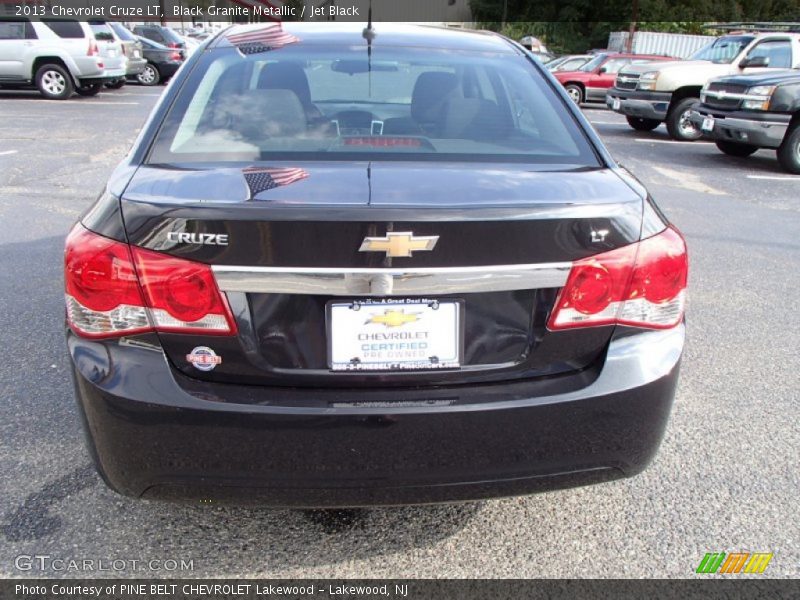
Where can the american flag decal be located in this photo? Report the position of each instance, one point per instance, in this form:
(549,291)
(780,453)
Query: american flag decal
(265,38)
(260,179)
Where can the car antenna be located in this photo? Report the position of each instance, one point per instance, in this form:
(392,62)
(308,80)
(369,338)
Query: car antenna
(369,35)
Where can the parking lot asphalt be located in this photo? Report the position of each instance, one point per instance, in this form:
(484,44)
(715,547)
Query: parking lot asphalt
(726,478)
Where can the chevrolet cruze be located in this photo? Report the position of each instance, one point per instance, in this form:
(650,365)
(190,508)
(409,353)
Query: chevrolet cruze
(349,266)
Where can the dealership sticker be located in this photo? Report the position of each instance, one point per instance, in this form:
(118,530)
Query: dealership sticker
(204,358)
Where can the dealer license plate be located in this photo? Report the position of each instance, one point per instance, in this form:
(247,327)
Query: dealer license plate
(394,335)
(708,124)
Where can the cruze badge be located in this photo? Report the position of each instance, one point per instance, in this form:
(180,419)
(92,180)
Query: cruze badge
(397,244)
(207,239)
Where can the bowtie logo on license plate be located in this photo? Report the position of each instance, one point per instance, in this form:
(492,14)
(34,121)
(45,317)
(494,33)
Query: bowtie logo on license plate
(398,244)
(393,318)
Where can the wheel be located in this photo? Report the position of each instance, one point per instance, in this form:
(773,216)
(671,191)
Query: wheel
(678,124)
(734,149)
(89,90)
(789,151)
(54,82)
(575,92)
(115,85)
(150,75)
(640,124)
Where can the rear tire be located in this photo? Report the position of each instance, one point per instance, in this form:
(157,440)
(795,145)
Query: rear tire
(89,90)
(679,126)
(640,124)
(734,149)
(575,92)
(150,75)
(116,84)
(54,82)
(789,151)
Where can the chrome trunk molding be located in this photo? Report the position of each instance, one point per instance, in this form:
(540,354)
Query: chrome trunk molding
(390,282)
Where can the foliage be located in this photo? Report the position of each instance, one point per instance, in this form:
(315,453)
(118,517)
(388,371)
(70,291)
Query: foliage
(579,25)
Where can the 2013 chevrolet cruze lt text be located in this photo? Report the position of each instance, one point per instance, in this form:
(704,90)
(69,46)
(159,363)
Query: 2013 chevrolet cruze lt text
(347,267)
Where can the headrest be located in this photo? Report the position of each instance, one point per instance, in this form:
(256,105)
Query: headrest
(285,76)
(270,113)
(431,91)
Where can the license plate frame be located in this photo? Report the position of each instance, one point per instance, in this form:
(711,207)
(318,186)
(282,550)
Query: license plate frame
(422,308)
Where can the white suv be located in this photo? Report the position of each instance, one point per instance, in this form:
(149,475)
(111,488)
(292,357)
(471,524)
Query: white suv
(58,56)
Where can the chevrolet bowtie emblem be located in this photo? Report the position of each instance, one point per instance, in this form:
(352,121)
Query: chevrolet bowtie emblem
(393,318)
(397,244)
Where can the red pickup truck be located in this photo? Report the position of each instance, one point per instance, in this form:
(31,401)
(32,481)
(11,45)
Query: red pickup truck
(593,79)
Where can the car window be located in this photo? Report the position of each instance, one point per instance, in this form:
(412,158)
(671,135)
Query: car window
(724,49)
(64,28)
(102,32)
(777,52)
(615,64)
(571,64)
(147,43)
(334,103)
(593,63)
(16,30)
(122,33)
(153,35)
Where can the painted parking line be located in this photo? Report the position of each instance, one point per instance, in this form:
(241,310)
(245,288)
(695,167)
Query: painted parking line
(668,141)
(7,152)
(776,177)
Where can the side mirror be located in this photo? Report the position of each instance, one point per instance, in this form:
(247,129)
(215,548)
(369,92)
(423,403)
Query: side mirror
(603,70)
(756,61)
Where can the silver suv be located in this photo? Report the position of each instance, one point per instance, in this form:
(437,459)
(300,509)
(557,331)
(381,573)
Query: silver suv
(58,56)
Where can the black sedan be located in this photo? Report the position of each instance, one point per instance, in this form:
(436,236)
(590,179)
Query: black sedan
(162,62)
(346,266)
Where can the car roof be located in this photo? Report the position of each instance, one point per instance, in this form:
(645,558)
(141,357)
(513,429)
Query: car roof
(387,34)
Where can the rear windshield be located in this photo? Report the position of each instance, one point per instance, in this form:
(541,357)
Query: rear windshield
(102,32)
(339,102)
(122,32)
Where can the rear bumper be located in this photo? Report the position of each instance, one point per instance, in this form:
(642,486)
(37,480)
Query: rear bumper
(328,448)
(646,105)
(762,130)
(168,69)
(135,66)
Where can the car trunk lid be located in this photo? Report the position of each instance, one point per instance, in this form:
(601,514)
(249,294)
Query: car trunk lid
(294,268)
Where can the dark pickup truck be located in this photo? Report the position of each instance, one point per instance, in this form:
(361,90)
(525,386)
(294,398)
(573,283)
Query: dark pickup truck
(743,113)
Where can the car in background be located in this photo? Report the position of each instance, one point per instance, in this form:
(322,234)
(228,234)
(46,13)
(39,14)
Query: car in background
(132,48)
(571,62)
(743,113)
(275,302)
(162,62)
(160,34)
(111,51)
(665,93)
(57,56)
(192,44)
(591,81)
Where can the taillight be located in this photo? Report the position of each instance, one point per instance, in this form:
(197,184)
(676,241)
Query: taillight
(642,285)
(182,295)
(114,290)
(93,49)
(176,56)
(102,291)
